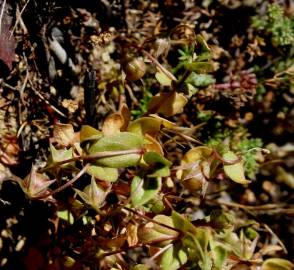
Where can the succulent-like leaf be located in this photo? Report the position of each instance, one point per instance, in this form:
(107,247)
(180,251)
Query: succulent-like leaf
(235,171)
(118,142)
(66,215)
(143,190)
(103,173)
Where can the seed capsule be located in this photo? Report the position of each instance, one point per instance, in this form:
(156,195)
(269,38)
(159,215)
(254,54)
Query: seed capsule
(135,69)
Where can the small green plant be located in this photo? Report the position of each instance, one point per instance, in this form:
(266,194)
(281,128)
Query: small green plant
(276,24)
(129,160)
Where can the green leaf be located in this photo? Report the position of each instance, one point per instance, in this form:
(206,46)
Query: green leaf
(163,79)
(159,166)
(200,67)
(103,173)
(219,254)
(277,264)
(202,44)
(153,158)
(89,133)
(235,171)
(57,155)
(182,223)
(149,125)
(141,267)
(66,215)
(118,142)
(154,232)
(143,190)
(173,258)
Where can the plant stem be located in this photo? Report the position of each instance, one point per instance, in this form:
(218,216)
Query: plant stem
(97,155)
(67,184)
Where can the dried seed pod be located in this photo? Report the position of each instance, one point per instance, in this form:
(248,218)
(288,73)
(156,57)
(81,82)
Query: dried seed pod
(135,69)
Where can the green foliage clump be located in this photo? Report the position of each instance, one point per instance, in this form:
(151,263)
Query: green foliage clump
(251,166)
(225,139)
(275,23)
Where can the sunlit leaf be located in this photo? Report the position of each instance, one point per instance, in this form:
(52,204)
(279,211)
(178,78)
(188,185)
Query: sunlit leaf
(103,173)
(143,125)
(167,104)
(141,267)
(235,171)
(132,234)
(66,215)
(156,233)
(163,79)
(112,124)
(89,133)
(118,142)
(152,145)
(182,223)
(173,258)
(219,255)
(277,264)
(200,67)
(197,153)
(64,134)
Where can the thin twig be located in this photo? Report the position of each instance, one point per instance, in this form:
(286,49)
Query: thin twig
(277,237)
(160,67)
(67,184)
(18,19)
